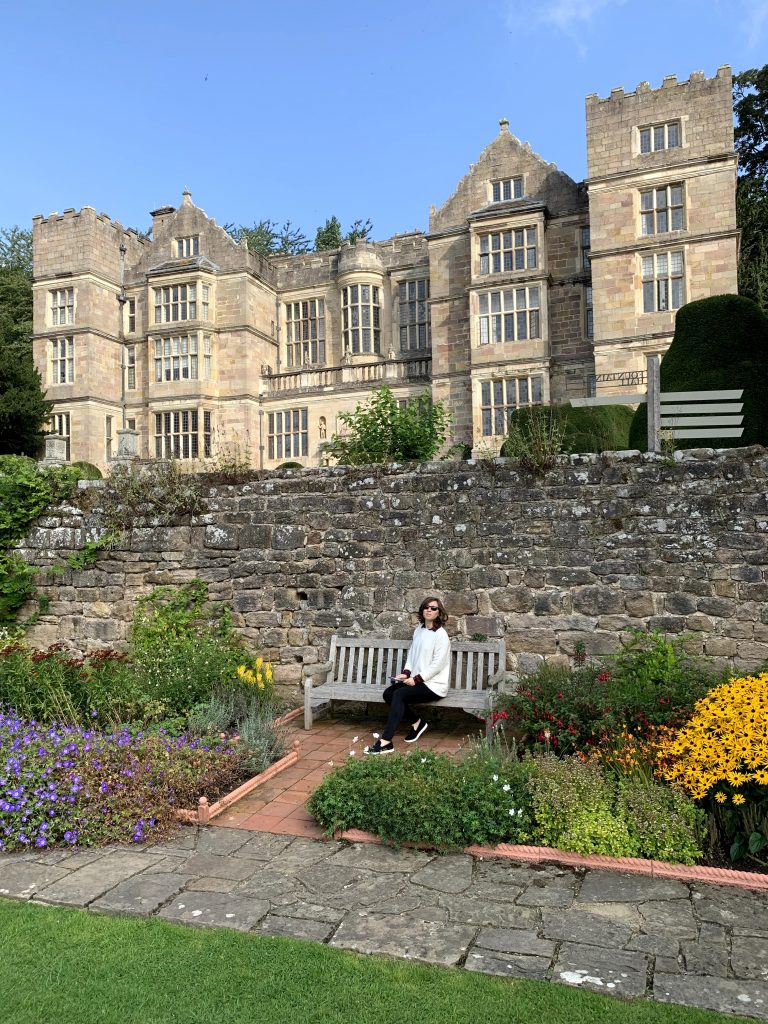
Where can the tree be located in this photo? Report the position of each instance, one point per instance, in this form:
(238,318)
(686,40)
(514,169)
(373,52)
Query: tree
(328,236)
(266,239)
(719,343)
(291,241)
(16,250)
(23,409)
(750,106)
(750,94)
(360,231)
(382,431)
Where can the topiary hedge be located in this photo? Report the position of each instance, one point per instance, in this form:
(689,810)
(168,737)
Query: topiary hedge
(603,428)
(719,343)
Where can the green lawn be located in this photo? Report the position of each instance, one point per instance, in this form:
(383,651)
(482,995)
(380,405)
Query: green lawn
(60,966)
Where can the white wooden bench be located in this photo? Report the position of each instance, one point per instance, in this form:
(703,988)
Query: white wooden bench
(361,668)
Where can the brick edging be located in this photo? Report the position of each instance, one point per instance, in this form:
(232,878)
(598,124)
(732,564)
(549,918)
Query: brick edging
(550,855)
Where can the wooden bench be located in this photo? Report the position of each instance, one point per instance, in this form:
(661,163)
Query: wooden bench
(361,668)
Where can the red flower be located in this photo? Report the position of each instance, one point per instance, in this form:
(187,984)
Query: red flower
(604,677)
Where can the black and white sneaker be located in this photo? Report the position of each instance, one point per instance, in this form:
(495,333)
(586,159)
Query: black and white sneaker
(415,732)
(381,748)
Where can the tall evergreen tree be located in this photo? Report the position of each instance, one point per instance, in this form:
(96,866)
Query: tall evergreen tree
(328,236)
(23,409)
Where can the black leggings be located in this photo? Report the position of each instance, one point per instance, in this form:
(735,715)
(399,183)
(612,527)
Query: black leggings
(399,696)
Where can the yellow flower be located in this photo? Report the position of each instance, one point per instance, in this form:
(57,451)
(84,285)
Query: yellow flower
(720,797)
(738,798)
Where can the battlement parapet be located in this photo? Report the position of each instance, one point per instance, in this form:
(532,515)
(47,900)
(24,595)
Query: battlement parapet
(721,76)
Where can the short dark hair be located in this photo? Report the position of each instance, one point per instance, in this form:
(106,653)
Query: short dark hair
(442,615)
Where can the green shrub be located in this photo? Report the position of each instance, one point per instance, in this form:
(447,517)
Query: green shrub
(573,807)
(719,343)
(543,432)
(650,682)
(26,491)
(247,713)
(183,649)
(664,823)
(55,685)
(601,428)
(147,495)
(86,471)
(382,431)
(535,437)
(428,798)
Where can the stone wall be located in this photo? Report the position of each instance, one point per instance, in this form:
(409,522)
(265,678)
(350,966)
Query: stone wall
(599,545)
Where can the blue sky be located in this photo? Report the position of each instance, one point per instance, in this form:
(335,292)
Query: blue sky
(299,110)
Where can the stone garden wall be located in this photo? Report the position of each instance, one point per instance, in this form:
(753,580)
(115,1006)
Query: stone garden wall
(599,544)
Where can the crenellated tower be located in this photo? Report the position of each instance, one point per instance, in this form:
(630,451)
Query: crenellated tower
(661,185)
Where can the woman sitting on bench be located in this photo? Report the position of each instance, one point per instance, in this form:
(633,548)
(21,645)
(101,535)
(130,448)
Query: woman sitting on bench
(424,678)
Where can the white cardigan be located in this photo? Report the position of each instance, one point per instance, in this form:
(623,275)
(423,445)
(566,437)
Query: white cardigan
(430,658)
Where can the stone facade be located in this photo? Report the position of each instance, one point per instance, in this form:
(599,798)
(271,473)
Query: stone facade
(600,545)
(526,288)
(629,232)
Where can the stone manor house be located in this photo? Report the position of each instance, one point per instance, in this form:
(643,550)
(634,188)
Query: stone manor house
(528,287)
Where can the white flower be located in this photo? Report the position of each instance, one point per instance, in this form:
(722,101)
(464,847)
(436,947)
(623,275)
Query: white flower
(355,739)
(375,735)
(351,753)
(423,760)
(331,763)
(506,787)
(512,812)
(495,778)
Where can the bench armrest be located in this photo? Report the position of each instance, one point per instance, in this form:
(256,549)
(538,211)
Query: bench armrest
(497,678)
(316,675)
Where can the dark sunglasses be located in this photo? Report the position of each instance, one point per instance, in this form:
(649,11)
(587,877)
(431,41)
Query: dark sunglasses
(431,608)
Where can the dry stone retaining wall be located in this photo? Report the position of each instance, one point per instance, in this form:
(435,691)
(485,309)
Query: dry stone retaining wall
(596,546)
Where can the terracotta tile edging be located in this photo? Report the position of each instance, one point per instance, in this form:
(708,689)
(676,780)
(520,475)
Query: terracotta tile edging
(634,865)
(205,812)
(289,716)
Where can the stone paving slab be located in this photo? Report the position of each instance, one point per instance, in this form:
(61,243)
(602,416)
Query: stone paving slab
(452,873)
(296,928)
(747,998)
(433,942)
(86,884)
(536,968)
(578,926)
(215,910)
(603,970)
(22,880)
(141,894)
(617,887)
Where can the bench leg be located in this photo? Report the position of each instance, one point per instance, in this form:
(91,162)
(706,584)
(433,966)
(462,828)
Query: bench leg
(488,727)
(307,707)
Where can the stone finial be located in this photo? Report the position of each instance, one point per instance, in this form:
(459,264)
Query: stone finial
(186,197)
(504,125)
(643,87)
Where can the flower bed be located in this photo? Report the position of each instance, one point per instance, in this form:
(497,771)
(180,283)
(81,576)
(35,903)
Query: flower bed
(77,786)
